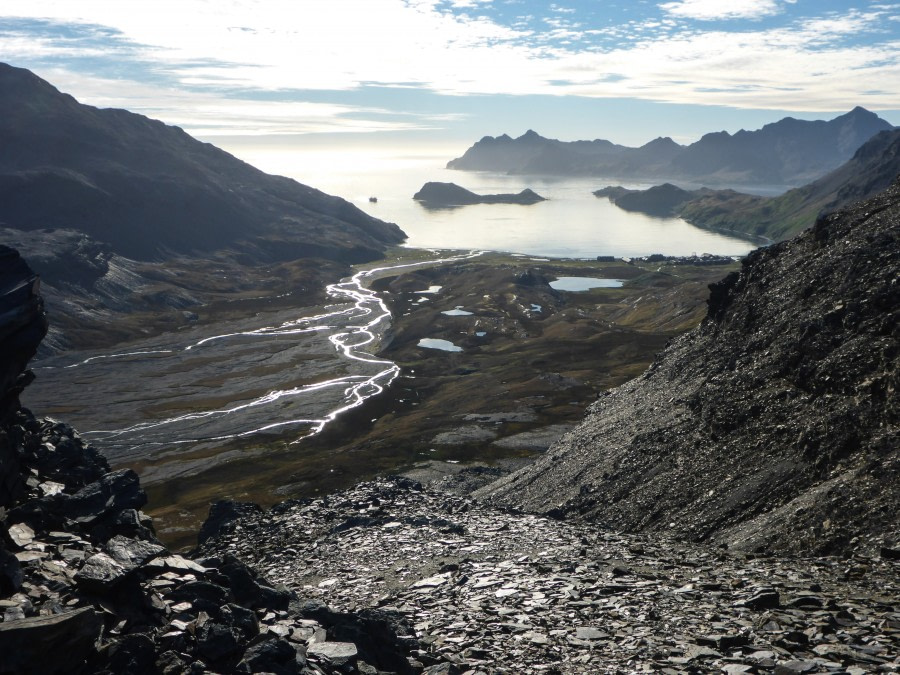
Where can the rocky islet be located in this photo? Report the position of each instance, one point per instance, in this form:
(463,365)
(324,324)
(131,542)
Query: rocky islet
(445,195)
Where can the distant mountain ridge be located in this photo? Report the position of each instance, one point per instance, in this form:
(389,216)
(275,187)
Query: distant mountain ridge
(872,168)
(148,189)
(790,152)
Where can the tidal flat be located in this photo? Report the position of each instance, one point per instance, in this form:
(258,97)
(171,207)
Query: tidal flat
(531,360)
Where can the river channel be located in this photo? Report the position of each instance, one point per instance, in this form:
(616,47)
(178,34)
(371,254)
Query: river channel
(188,397)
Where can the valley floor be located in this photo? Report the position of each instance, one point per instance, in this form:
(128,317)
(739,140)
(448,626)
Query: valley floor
(532,359)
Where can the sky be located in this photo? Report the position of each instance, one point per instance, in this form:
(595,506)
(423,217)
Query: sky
(421,72)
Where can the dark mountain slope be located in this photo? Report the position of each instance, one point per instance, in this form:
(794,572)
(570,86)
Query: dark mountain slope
(871,169)
(771,425)
(789,151)
(146,188)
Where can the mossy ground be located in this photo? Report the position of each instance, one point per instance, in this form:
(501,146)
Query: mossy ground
(531,369)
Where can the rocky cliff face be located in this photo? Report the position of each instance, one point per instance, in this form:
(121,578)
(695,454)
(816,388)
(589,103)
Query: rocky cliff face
(773,424)
(23,325)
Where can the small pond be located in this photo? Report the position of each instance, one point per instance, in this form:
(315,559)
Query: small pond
(436,343)
(457,311)
(584,283)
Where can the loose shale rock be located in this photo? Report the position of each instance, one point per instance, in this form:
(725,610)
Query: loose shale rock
(483,590)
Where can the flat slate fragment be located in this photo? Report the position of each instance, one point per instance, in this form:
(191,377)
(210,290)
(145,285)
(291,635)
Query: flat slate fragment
(515,592)
(337,653)
(48,644)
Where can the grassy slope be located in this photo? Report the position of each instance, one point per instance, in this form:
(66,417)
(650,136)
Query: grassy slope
(871,169)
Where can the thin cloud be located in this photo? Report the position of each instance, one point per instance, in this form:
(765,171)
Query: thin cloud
(209,114)
(275,51)
(710,10)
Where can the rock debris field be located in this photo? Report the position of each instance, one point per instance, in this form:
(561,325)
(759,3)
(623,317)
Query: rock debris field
(489,591)
(85,586)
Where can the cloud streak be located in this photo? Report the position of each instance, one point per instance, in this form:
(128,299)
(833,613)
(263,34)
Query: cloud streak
(218,51)
(711,10)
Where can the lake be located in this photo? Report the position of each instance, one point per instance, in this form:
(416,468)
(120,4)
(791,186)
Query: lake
(577,284)
(571,223)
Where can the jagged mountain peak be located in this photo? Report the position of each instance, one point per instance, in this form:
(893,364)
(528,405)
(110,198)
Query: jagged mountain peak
(661,142)
(859,112)
(531,136)
(789,152)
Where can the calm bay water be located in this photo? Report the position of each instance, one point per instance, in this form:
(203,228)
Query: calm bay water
(572,223)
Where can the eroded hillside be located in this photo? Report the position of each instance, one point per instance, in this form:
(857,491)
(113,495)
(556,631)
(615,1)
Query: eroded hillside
(772,425)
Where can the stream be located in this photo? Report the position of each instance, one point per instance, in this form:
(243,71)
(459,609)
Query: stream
(190,396)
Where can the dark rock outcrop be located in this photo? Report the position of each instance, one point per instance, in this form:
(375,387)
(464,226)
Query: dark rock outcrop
(23,325)
(437,195)
(221,515)
(773,424)
(54,643)
(86,587)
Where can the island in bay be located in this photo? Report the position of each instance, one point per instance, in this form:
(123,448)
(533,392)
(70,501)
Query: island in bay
(440,195)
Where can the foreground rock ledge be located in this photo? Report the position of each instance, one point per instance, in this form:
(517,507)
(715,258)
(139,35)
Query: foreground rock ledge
(489,591)
(85,587)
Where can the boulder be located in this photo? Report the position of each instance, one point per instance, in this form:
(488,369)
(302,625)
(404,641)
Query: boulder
(114,492)
(23,325)
(11,576)
(222,514)
(276,656)
(49,644)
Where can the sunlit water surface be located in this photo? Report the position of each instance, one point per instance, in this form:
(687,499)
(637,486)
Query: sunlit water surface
(178,405)
(571,223)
